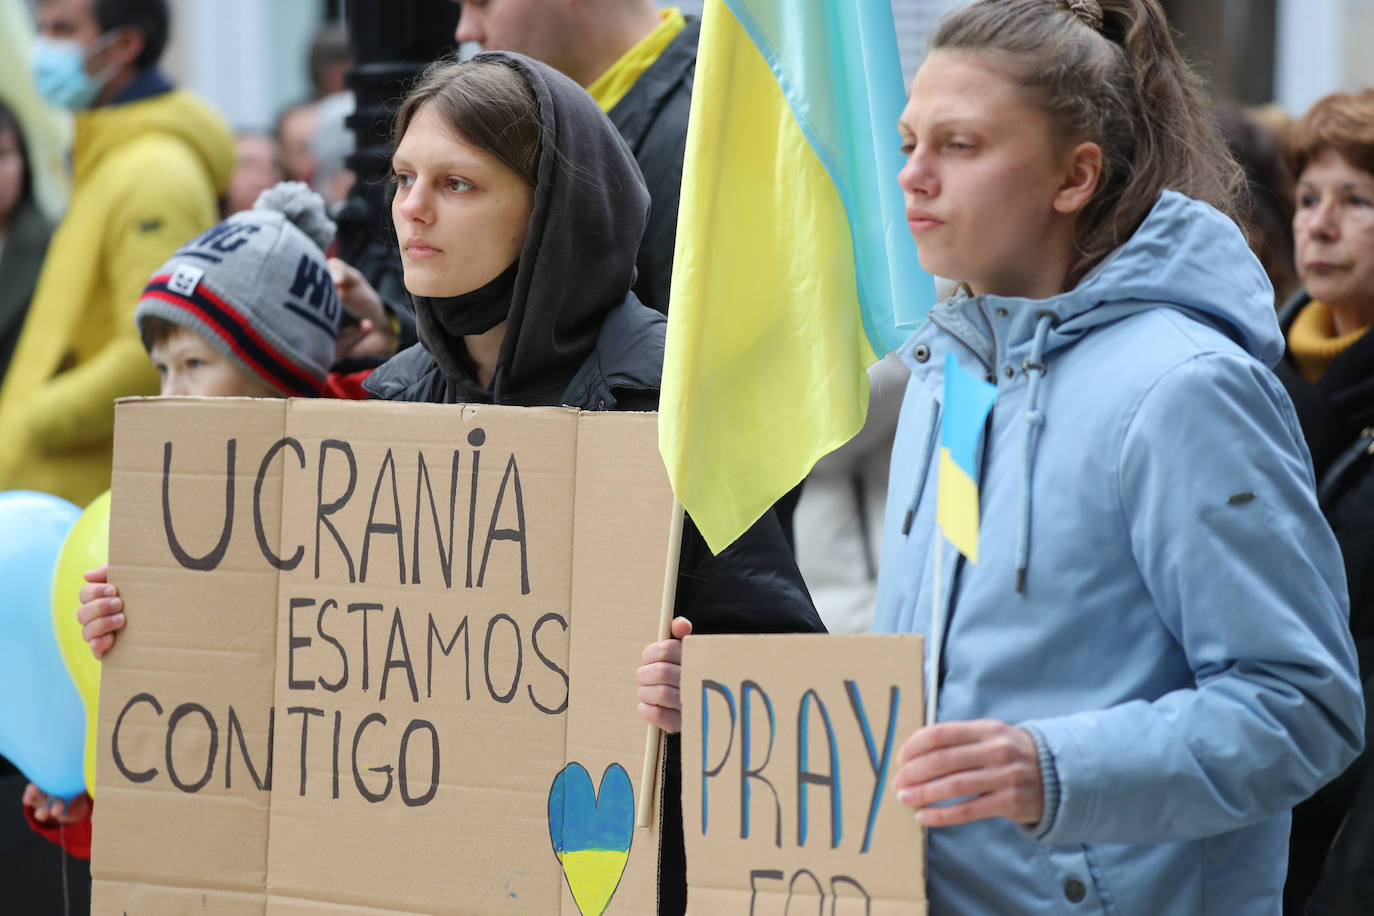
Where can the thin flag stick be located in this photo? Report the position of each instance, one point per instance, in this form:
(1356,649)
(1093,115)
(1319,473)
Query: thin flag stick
(933,649)
(653,736)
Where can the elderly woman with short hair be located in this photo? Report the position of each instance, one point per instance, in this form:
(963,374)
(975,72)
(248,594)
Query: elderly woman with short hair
(1328,370)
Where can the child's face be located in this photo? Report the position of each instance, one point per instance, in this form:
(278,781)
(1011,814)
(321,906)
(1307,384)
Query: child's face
(190,366)
(982,179)
(461,214)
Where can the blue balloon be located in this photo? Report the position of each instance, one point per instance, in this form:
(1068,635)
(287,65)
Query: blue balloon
(42,723)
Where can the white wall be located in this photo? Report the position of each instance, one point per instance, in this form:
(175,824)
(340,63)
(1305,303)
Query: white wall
(248,57)
(915,21)
(1323,47)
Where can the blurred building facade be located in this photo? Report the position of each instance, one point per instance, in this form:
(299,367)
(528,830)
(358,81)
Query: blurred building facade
(1253,51)
(249,57)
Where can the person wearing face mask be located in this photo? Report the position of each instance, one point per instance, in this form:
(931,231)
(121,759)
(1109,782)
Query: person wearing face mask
(149,164)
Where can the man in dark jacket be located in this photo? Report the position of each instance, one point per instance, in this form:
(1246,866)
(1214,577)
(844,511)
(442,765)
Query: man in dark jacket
(638,63)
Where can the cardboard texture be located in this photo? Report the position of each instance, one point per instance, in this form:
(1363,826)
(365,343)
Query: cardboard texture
(396,677)
(788,756)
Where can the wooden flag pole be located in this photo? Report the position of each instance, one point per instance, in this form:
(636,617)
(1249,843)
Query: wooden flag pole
(936,624)
(653,736)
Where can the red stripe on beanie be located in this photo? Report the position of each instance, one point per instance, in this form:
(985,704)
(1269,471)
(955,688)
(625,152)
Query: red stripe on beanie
(308,382)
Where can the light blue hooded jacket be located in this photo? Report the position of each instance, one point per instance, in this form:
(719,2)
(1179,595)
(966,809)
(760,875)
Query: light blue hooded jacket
(1180,648)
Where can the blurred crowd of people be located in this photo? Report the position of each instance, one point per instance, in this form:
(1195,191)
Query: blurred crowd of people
(105,302)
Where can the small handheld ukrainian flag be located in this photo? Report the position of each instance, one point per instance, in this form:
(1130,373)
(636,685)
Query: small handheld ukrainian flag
(967,402)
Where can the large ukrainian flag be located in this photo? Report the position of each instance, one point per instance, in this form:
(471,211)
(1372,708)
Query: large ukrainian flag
(794,269)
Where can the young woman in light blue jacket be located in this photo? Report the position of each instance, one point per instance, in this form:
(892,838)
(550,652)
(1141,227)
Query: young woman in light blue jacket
(1149,664)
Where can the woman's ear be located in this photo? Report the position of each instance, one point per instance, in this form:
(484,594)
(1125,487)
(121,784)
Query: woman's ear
(1083,170)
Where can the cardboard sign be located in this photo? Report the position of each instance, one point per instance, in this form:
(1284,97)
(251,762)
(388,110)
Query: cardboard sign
(380,659)
(789,746)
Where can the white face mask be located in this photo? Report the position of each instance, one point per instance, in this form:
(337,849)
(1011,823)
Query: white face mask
(59,71)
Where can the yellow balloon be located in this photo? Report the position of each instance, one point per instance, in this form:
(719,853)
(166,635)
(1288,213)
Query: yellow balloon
(87,546)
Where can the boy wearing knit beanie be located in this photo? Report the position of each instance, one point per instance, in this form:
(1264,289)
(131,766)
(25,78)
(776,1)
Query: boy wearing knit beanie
(247,308)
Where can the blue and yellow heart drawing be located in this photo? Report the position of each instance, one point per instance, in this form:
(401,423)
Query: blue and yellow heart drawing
(591,832)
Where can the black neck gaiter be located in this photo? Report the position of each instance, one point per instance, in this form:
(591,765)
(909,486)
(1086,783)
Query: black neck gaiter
(478,311)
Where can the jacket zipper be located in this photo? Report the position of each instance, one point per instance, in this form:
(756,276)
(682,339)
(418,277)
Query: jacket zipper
(1362,447)
(983,360)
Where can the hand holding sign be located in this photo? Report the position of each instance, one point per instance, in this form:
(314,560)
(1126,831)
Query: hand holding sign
(992,765)
(101,613)
(660,677)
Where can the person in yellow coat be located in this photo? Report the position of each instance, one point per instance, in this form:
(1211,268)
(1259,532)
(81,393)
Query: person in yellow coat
(149,163)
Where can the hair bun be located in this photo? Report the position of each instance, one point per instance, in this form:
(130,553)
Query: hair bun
(302,206)
(1088,12)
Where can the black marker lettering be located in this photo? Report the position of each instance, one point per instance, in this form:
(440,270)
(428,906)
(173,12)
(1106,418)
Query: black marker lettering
(363,790)
(550,664)
(475,439)
(323,509)
(236,727)
(338,727)
(403,662)
(445,555)
(391,528)
(519,659)
(411,801)
(142,775)
(835,883)
(213,558)
(271,557)
(768,874)
(173,720)
(516,534)
(338,646)
(305,712)
(430,639)
(294,642)
(364,607)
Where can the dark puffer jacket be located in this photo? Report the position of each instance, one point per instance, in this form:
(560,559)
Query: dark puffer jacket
(1331,853)
(576,336)
(652,117)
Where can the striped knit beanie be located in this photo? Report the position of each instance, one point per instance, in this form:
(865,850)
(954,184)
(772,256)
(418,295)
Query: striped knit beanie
(256,288)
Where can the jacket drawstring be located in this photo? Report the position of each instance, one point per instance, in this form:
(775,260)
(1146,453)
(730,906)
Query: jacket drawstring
(931,432)
(1034,367)
(497,378)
